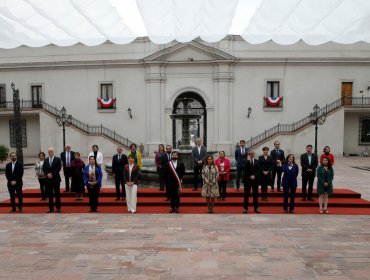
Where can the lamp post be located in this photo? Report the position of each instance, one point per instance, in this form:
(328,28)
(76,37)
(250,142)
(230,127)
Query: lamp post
(17,123)
(317,118)
(62,119)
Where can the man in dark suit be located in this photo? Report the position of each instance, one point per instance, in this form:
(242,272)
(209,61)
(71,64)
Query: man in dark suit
(118,166)
(52,166)
(241,155)
(14,175)
(279,158)
(164,160)
(251,181)
(67,157)
(199,154)
(175,170)
(309,163)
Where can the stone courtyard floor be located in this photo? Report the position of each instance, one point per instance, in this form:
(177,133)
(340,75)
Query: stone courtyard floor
(153,246)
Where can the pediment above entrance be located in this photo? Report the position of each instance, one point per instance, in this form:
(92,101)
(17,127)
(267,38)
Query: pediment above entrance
(189,52)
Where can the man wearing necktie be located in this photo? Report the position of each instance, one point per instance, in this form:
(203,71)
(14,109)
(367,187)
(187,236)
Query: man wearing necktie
(118,163)
(199,154)
(51,168)
(241,155)
(309,163)
(278,158)
(67,157)
(251,181)
(166,157)
(14,175)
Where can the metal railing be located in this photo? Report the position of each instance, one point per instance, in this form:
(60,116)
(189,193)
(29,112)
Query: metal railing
(86,128)
(356,102)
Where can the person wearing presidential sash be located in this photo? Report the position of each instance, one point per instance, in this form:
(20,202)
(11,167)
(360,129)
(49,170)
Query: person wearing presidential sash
(175,170)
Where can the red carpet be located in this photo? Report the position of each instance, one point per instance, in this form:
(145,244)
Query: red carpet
(151,200)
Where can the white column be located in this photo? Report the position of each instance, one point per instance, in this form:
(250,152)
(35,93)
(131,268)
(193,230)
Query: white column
(223,79)
(154,79)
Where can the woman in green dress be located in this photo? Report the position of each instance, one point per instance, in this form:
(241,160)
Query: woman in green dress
(325,175)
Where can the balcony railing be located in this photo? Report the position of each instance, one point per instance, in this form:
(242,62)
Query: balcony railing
(356,102)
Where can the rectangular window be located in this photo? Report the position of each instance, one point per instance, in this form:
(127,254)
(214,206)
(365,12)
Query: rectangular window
(273,89)
(36,92)
(106,91)
(365,131)
(2,95)
(12,133)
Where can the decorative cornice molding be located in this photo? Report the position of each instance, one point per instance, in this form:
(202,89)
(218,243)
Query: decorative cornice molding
(139,63)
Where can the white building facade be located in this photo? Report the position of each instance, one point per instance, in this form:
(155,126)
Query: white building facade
(225,79)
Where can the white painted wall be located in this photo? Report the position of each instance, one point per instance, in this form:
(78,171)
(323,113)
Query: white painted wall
(71,76)
(33,133)
(352,131)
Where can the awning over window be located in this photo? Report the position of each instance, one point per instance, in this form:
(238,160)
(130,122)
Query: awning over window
(38,23)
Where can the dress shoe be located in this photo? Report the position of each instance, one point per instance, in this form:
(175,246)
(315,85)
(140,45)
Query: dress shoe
(20,210)
(303,199)
(238,189)
(13,210)
(257,210)
(50,211)
(310,199)
(177,210)
(171,210)
(123,198)
(245,211)
(117,198)
(90,211)
(195,189)
(291,211)
(59,210)
(285,211)
(95,210)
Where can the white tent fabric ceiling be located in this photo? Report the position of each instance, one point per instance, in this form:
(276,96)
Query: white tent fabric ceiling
(37,23)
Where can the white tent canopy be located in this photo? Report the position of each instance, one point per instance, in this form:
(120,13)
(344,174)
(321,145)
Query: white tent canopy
(37,23)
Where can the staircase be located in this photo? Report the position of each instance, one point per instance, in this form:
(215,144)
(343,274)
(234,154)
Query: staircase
(292,128)
(96,130)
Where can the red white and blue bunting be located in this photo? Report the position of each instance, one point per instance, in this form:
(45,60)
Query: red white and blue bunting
(106,103)
(273,101)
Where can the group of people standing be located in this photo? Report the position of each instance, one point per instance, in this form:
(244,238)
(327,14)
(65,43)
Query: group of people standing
(215,175)
(274,165)
(125,169)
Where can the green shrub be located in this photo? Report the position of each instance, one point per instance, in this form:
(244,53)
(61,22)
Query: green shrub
(4,152)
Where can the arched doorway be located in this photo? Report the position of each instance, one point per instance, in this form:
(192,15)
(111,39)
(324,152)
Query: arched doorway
(198,128)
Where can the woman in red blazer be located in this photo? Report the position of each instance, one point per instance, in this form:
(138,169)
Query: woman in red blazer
(223,166)
(326,153)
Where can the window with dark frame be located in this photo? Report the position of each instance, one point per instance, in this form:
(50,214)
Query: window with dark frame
(364,131)
(273,89)
(2,95)
(12,133)
(36,92)
(106,91)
